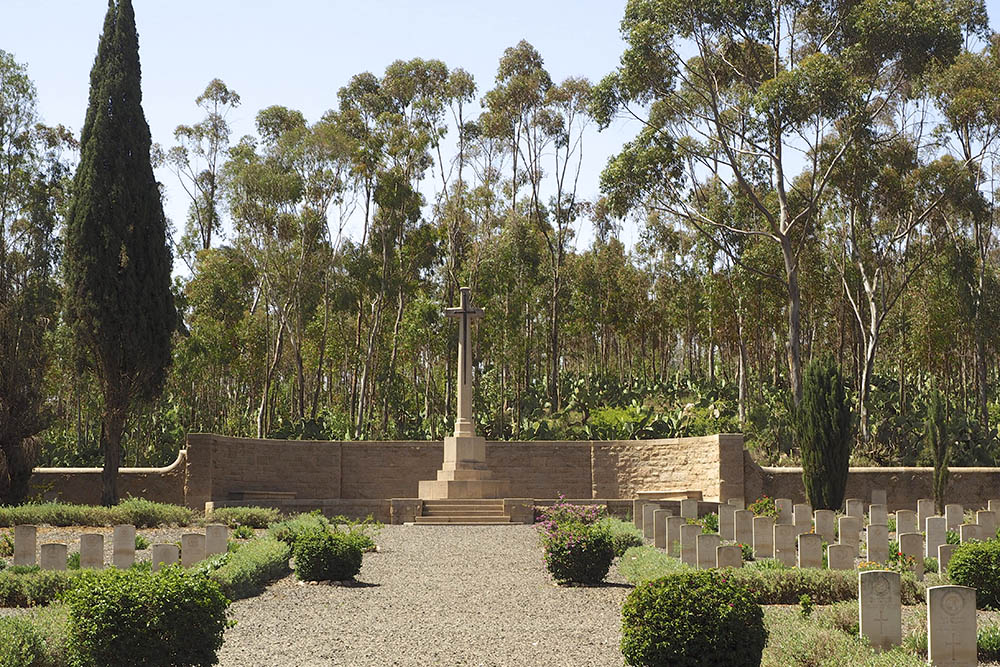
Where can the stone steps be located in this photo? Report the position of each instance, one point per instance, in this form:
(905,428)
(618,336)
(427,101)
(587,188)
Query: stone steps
(463,520)
(466,512)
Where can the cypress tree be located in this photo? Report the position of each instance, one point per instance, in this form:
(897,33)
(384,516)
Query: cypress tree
(117,261)
(938,442)
(825,428)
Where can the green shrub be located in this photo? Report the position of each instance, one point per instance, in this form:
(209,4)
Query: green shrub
(824,426)
(842,616)
(977,564)
(20,644)
(988,643)
(692,618)
(952,537)
(710,523)
(243,533)
(930,564)
(255,517)
(763,507)
(73,561)
(321,555)
(624,535)
(576,552)
(137,511)
(32,587)
(253,565)
(6,544)
(131,617)
(288,530)
(141,542)
(143,513)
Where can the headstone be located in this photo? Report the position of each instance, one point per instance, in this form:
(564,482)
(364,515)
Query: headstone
(855,507)
(849,529)
(994,505)
(912,544)
(738,503)
(784,543)
(784,507)
(951,626)
(840,556)
(25,536)
(878,543)
(906,522)
(647,519)
(217,539)
(763,537)
(727,522)
(968,532)
(689,544)
(925,508)
(123,546)
(637,512)
(164,554)
(92,551)
(53,556)
(802,518)
(743,524)
(987,521)
(878,515)
(953,513)
(824,524)
(729,556)
(881,608)
(879,497)
(707,545)
(674,524)
(944,554)
(810,550)
(689,508)
(935,532)
(192,549)
(659,529)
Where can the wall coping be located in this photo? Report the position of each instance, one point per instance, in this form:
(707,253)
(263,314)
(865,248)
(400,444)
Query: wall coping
(422,443)
(178,462)
(889,470)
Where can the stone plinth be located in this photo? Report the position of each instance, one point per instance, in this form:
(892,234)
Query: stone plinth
(464,473)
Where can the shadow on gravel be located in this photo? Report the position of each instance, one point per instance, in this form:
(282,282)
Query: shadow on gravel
(603,584)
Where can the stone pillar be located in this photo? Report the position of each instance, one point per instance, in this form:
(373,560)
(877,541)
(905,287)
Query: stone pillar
(25,537)
(674,524)
(727,522)
(954,514)
(810,550)
(951,626)
(987,521)
(707,545)
(784,543)
(849,529)
(689,544)
(925,508)
(92,551)
(123,546)
(660,528)
(880,608)
(689,508)
(192,549)
(53,556)
(729,556)
(878,497)
(763,537)
(840,556)
(878,543)
(802,518)
(855,507)
(216,539)
(164,554)
(945,552)
(743,525)
(878,515)
(906,522)
(824,524)
(936,534)
(912,544)
(784,507)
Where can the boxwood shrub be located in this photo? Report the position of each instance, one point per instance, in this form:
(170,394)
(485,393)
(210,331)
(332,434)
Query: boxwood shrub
(322,555)
(248,569)
(20,644)
(977,564)
(577,552)
(692,618)
(133,617)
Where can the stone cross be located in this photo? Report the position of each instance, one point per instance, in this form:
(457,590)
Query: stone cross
(464,423)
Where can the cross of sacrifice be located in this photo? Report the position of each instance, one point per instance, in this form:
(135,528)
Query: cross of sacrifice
(464,313)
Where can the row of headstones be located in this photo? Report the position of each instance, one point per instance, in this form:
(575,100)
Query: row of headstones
(194,547)
(951,617)
(777,539)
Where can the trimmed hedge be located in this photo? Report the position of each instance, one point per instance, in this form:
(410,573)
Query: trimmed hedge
(137,511)
(21,645)
(321,555)
(254,517)
(31,587)
(977,564)
(247,571)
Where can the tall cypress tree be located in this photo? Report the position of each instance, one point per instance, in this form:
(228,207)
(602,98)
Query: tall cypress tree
(825,429)
(117,260)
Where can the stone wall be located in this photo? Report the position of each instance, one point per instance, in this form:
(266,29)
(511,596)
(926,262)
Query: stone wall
(83,485)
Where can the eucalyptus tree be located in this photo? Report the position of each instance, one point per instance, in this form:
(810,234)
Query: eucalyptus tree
(750,93)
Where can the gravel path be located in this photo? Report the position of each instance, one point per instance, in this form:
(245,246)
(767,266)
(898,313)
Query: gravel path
(434,595)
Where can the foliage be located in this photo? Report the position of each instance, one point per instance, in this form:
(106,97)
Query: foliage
(34,587)
(692,618)
(977,565)
(937,439)
(624,535)
(20,643)
(6,543)
(578,547)
(988,643)
(824,426)
(143,513)
(321,555)
(141,542)
(243,533)
(763,507)
(73,561)
(289,530)
(252,566)
(254,517)
(645,563)
(564,512)
(805,605)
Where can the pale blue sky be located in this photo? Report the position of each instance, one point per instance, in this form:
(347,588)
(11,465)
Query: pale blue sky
(298,53)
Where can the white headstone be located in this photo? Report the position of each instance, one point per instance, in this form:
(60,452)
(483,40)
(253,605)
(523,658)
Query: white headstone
(192,549)
(689,544)
(738,503)
(727,522)
(729,556)
(840,556)
(912,544)
(954,514)
(25,536)
(855,507)
(707,545)
(825,524)
(659,528)
(53,556)
(784,543)
(945,552)
(878,497)
(880,608)
(878,515)
(987,521)
(689,508)
(810,550)
(164,554)
(123,546)
(763,537)
(647,519)
(848,530)
(878,543)
(784,507)
(217,539)
(906,522)
(802,518)
(951,626)
(994,505)
(925,508)
(674,524)
(92,551)
(637,504)
(968,532)
(743,525)
(935,529)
